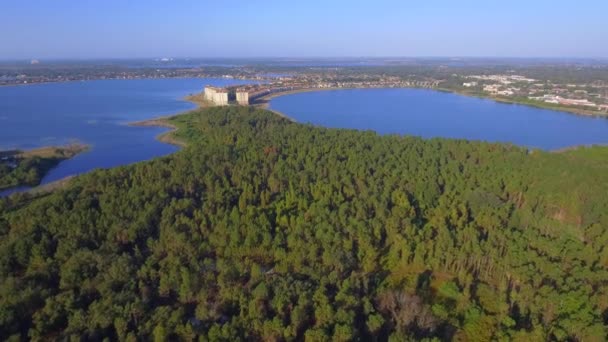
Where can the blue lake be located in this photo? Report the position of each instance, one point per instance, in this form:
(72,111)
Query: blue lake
(95,113)
(430,114)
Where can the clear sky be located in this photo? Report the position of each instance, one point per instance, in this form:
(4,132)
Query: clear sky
(302,28)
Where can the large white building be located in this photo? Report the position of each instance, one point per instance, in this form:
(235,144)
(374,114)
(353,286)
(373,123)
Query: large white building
(217,96)
(242,97)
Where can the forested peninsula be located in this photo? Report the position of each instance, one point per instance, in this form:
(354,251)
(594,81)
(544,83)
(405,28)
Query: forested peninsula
(19,168)
(265,229)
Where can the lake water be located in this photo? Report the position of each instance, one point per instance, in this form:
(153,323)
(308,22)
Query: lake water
(429,114)
(95,113)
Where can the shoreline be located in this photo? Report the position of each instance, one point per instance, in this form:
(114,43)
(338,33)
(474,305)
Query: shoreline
(165,137)
(74,148)
(121,79)
(539,105)
(264,101)
(62,153)
(162,121)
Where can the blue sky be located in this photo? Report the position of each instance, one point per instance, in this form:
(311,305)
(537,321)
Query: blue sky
(314,28)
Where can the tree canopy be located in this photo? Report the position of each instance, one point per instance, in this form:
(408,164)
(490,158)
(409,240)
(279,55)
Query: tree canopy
(265,229)
(28,168)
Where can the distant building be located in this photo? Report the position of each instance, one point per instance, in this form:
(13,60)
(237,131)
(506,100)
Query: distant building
(242,97)
(504,79)
(217,96)
(469,84)
(492,89)
(506,92)
(560,100)
(575,102)
(546,98)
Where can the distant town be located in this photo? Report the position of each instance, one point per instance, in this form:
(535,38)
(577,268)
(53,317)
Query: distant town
(592,95)
(579,88)
(583,98)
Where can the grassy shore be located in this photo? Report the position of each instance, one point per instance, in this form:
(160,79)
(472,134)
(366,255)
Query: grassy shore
(199,100)
(165,137)
(163,121)
(66,151)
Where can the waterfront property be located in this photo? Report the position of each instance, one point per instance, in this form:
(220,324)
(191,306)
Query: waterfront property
(242,97)
(217,96)
(248,95)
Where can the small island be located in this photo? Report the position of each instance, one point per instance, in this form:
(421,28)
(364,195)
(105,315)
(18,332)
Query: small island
(27,168)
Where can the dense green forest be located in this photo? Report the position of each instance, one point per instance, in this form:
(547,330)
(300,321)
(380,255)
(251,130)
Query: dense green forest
(264,229)
(25,172)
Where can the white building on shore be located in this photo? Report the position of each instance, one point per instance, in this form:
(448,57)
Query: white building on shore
(217,96)
(242,97)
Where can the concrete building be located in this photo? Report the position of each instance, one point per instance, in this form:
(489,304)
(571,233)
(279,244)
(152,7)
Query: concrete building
(576,102)
(217,96)
(247,95)
(546,98)
(491,88)
(506,92)
(242,97)
(568,102)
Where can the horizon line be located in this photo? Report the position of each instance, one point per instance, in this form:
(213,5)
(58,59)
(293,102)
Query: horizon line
(456,57)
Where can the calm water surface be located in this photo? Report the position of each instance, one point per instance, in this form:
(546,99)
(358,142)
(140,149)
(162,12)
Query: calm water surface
(94,113)
(429,114)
